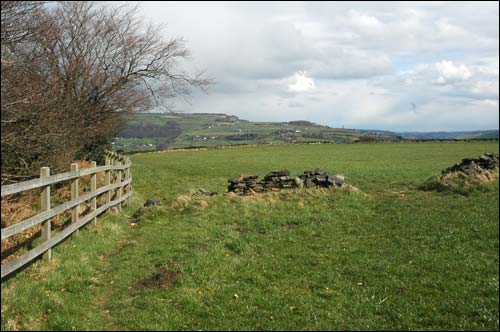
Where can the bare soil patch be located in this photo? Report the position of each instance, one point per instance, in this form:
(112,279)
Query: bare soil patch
(163,279)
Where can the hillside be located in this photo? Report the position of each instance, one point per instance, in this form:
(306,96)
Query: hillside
(157,131)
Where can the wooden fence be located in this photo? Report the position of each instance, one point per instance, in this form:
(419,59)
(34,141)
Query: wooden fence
(116,167)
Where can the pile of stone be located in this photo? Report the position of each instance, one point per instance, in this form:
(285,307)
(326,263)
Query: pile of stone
(277,180)
(474,166)
(244,184)
(247,184)
(320,179)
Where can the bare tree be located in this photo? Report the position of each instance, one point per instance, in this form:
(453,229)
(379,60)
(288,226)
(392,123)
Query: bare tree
(15,21)
(66,89)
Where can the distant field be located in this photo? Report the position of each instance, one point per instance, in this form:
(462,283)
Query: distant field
(390,257)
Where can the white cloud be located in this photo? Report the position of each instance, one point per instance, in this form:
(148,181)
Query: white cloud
(448,72)
(299,82)
(363,23)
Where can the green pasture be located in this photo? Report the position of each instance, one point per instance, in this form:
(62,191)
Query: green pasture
(383,256)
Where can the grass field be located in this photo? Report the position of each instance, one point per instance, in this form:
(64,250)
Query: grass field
(388,257)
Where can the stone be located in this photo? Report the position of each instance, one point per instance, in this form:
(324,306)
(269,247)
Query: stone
(299,183)
(151,202)
(339,179)
(320,178)
(308,183)
(243,178)
(258,188)
(277,174)
(317,171)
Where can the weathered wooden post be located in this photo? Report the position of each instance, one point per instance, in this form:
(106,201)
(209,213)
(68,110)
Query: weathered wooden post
(115,173)
(93,188)
(130,179)
(127,177)
(120,188)
(74,195)
(107,179)
(45,206)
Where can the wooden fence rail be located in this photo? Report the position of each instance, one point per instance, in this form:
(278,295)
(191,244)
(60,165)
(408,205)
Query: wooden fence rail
(115,166)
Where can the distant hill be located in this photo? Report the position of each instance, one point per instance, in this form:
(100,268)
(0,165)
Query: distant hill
(156,131)
(478,134)
(485,134)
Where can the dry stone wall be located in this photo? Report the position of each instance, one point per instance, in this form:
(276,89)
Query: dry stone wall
(247,184)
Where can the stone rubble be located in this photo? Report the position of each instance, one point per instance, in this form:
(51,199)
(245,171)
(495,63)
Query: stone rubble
(320,179)
(474,166)
(248,184)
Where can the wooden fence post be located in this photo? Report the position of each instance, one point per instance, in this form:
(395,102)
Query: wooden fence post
(93,188)
(130,184)
(45,206)
(127,177)
(74,195)
(107,179)
(120,188)
(114,174)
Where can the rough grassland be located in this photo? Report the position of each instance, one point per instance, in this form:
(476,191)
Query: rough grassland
(390,257)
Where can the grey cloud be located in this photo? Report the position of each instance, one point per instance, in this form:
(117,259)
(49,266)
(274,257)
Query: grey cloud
(295,104)
(338,63)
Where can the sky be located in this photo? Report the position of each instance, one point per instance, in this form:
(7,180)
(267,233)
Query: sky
(409,66)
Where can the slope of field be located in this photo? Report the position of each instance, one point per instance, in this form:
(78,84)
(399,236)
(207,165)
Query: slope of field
(389,257)
(157,131)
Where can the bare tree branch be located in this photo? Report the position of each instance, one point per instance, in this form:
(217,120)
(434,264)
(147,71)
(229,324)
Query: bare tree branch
(71,71)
